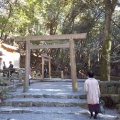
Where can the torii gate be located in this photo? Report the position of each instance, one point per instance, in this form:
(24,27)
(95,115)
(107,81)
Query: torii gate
(47,58)
(70,45)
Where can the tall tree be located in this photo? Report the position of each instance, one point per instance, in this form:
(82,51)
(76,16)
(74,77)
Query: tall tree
(106,45)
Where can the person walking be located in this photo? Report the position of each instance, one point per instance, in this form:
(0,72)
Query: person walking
(91,88)
(11,69)
(45,71)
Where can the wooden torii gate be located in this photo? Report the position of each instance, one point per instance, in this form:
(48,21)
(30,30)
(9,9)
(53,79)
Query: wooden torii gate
(70,45)
(47,58)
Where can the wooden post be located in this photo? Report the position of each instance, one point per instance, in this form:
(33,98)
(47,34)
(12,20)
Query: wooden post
(49,68)
(9,74)
(62,76)
(27,67)
(43,67)
(73,65)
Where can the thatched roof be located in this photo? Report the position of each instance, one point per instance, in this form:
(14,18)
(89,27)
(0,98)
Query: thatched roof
(8,47)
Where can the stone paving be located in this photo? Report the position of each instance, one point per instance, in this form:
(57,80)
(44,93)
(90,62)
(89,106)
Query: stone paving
(52,99)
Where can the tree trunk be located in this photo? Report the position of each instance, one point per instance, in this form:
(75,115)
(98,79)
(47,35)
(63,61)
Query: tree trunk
(106,45)
(89,64)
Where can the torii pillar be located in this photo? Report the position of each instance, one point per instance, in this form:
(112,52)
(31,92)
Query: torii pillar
(73,65)
(27,67)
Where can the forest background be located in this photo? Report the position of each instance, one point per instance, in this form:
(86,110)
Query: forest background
(99,52)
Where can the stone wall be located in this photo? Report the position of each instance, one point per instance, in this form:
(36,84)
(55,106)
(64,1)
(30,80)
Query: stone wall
(110,93)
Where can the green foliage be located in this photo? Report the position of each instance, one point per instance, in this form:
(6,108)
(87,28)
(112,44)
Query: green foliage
(44,17)
(1,81)
(3,90)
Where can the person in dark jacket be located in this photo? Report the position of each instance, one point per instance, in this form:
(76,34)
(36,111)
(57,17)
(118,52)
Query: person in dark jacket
(11,70)
(45,71)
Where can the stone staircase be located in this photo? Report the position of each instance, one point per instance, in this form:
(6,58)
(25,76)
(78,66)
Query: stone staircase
(46,101)
(43,100)
(33,103)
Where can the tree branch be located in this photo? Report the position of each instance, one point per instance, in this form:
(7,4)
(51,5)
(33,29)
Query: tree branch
(115,23)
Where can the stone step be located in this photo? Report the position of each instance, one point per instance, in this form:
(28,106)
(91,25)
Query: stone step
(58,110)
(45,116)
(46,96)
(47,113)
(42,102)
